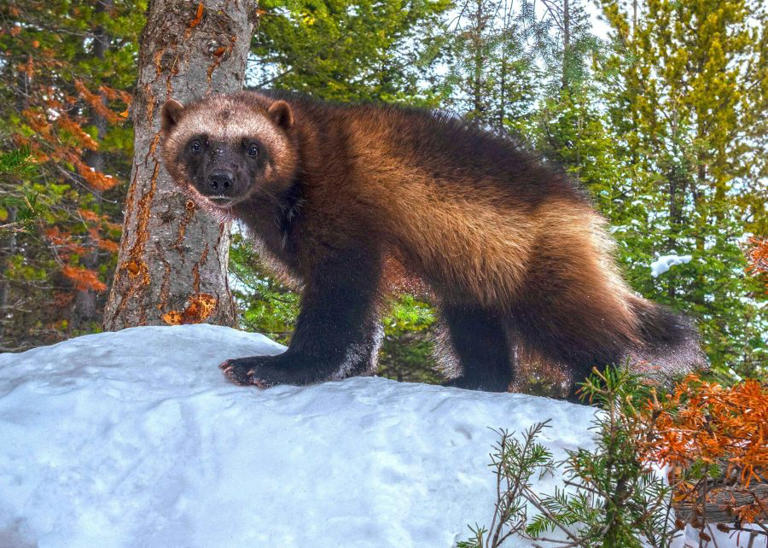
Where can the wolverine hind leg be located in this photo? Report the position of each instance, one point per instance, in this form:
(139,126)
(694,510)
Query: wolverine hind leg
(479,341)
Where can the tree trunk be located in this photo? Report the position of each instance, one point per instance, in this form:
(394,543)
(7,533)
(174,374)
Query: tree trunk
(85,310)
(566,44)
(7,250)
(9,247)
(478,44)
(172,264)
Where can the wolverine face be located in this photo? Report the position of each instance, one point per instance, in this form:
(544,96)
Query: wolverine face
(223,171)
(228,148)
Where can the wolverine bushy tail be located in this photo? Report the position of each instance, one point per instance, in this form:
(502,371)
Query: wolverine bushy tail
(670,342)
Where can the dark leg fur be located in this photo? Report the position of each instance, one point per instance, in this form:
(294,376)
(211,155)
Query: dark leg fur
(479,341)
(337,333)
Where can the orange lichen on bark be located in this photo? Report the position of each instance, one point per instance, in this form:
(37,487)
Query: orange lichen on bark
(135,262)
(189,213)
(157,59)
(139,277)
(198,16)
(218,56)
(199,308)
(196,269)
(173,317)
(151,102)
(132,267)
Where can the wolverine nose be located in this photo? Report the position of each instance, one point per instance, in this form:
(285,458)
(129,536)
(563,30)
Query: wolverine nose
(219,182)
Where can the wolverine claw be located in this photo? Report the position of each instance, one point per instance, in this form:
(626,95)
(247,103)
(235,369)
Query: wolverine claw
(238,374)
(245,374)
(268,371)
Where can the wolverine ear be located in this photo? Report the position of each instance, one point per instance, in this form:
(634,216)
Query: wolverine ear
(171,114)
(281,114)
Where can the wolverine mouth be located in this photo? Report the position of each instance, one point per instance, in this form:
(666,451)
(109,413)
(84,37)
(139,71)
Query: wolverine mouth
(221,200)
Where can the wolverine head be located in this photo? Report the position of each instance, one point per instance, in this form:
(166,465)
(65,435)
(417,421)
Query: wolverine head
(227,148)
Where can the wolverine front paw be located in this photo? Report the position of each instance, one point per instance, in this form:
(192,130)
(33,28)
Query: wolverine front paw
(265,371)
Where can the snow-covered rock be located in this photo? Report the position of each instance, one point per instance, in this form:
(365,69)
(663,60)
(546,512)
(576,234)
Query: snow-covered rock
(134,439)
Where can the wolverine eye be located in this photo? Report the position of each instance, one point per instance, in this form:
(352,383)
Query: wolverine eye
(253,150)
(195,146)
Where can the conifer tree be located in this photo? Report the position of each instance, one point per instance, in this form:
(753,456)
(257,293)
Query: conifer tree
(348,51)
(492,74)
(691,92)
(64,75)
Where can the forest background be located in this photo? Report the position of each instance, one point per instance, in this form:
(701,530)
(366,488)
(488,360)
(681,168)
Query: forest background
(662,116)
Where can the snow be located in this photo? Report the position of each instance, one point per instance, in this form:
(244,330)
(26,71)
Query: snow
(134,438)
(665,262)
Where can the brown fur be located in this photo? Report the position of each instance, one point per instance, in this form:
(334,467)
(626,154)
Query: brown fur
(489,229)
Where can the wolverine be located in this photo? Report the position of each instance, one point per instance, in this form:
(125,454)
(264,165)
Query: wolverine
(511,249)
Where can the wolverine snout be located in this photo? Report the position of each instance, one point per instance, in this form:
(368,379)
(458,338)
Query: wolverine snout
(220,182)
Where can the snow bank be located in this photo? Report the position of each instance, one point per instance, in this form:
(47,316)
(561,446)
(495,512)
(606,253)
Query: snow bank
(135,439)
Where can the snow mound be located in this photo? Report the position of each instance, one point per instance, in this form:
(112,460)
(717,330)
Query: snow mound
(134,438)
(665,262)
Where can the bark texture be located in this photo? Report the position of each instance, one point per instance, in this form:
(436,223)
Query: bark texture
(172,264)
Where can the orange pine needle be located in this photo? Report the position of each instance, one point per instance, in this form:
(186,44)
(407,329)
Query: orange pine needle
(83,279)
(705,423)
